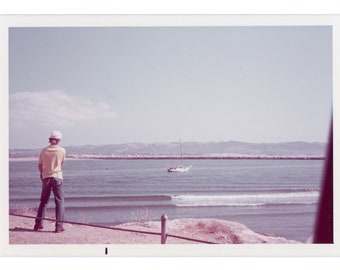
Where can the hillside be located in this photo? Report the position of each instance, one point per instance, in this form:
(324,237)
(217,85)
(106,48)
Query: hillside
(231,149)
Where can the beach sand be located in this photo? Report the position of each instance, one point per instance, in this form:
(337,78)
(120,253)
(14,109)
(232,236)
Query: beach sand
(210,230)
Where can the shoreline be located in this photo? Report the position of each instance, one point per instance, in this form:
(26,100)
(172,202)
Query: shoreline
(178,231)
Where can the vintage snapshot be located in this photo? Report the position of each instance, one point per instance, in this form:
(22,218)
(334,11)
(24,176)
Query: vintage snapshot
(169,135)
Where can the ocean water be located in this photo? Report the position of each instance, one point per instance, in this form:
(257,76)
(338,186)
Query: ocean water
(268,196)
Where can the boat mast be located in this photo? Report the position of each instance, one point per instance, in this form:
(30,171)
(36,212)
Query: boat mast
(180,147)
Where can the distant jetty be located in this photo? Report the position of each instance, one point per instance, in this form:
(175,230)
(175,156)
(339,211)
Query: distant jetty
(190,157)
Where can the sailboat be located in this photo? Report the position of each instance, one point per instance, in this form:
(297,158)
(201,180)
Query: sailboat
(179,168)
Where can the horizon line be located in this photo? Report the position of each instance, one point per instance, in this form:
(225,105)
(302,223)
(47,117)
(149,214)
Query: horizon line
(177,142)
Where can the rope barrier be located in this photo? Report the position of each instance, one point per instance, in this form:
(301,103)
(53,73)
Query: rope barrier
(117,229)
(89,225)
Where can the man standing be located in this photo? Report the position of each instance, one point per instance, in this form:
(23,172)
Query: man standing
(51,159)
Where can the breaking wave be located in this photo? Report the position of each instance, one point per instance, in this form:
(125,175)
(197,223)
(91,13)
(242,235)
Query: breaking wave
(189,200)
(304,197)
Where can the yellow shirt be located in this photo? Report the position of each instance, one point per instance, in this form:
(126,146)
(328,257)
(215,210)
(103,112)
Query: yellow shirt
(51,158)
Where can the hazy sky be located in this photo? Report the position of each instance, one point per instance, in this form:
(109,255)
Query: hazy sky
(159,84)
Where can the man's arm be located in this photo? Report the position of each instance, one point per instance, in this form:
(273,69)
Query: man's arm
(40,166)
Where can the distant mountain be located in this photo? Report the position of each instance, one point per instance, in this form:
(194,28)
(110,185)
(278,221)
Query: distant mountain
(190,149)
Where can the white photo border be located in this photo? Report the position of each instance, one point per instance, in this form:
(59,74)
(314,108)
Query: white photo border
(9,21)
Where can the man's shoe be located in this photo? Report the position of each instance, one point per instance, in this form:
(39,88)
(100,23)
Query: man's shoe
(59,229)
(38,227)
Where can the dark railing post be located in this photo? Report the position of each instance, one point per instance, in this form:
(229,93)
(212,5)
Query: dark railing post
(164,219)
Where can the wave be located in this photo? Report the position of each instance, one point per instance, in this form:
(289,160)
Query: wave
(119,201)
(281,190)
(303,197)
(122,198)
(99,201)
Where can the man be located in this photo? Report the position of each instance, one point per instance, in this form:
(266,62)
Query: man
(50,162)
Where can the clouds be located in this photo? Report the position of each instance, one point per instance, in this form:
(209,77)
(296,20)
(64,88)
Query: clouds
(55,107)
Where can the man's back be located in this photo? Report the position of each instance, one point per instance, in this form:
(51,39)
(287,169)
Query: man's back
(52,158)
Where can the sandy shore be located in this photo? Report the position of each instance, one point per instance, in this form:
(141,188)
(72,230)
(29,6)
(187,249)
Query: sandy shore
(210,230)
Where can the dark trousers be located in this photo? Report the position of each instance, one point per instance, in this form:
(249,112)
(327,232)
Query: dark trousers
(56,186)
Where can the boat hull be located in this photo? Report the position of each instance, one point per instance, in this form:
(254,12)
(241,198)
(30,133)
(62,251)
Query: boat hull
(179,169)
